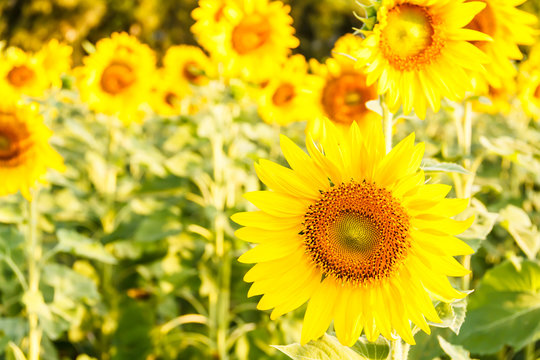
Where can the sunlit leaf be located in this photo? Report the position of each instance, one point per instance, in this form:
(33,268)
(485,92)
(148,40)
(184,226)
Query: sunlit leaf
(454,351)
(77,244)
(326,348)
(519,225)
(434,165)
(505,309)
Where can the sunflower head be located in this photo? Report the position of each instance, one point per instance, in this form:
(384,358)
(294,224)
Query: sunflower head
(253,36)
(25,154)
(355,232)
(56,59)
(288,96)
(508,27)
(343,91)
(529,84)
(23,73)
(419,52)
(188,65)
(168,98)
(115,79)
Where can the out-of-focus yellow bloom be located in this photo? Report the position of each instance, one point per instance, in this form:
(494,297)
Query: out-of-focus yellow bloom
(342,94)
(289,95)
(187,64)
(508,27)
(117,78)
(420,52)
(23,73)
(254,35)
(529,84)
(56,59)
(25,154)
(168,98)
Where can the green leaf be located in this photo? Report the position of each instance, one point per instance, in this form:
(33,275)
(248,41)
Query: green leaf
(434,165)
(16,351)
(377,350)
(482,226)
(519,225)
(454,351)
(326,348)
(77,244)
(504,310)
(451,314)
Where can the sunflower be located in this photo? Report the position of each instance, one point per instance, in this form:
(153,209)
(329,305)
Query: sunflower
(419,52)
(22,73)
(287,97)
(508,27)
(529,84)
(343,92)
(167,98)
(115,79)
(188,64)
(357,233)
(56,59)
(500,99)
(25,154)
(253,37)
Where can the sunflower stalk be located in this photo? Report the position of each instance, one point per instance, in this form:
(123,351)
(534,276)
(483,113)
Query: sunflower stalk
(399,350)
(33,296)
(388,125)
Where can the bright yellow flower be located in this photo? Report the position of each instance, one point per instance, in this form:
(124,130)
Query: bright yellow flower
(529,84)
(356,232)
(188,64)
(22,73)
(288,96)
(25,154)
(169,99)
(116,78)
(56,60)
(500,99)
(343,93)
(419,52)
(255,35)
(508,27)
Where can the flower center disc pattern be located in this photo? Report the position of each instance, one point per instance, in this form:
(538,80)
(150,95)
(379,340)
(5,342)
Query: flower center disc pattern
(357,233)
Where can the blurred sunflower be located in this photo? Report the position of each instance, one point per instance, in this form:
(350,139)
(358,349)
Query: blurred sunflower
(257,35)
(288,95)
(167,98)
(23,73)
(500,99)
(25,154)
(343,93)
(508,27)
(188,64)
(355,231)
(529,84)
(116,78)
(419,52)
(56,59)
(212,18)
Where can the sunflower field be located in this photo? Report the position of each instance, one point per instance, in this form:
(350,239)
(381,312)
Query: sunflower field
(258,179)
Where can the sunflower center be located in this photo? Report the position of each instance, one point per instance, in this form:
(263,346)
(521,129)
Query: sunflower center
(283,95)
(485,22)
(20,75)
(193,72)
(537,92)
(344,98)
(5,142)
(117,77)
(171,99)
(357,233)
(409,37)
(250,34)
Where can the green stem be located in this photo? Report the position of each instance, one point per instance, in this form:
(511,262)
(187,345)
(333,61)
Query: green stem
(399,350)
(530,351)
(33,253)
(388,125)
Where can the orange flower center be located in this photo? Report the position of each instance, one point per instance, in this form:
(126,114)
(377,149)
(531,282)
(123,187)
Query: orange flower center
(485,22)
(20,76)
(344,98)
(250,34)
(194,73)
(117,77)
(410,38)
(283,95)
(537,92)
(15,140)
(357,233)
(172,99)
